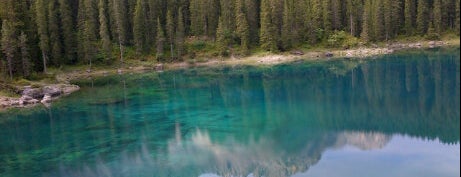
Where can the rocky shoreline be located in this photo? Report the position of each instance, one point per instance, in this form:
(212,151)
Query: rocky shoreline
(45,94)
(30,96)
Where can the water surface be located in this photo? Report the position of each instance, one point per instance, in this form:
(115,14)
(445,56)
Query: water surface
(396,115)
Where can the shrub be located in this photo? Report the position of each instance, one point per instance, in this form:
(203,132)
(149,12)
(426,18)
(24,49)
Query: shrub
(342,39)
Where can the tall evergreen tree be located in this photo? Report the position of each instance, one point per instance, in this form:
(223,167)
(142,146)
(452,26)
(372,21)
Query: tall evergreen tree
(54,31)
(437,16)
(365,35)
(160,41)
(180,34)
(171,32)
(9,43)
(337,14)
(221,38)
(267,35)
(89,32)
(42,24)
(25,56)
(139,27)
(316,21)
(243,31)
(409,16)
(457,21)
(378,20)
(422,19)
(288,24)
(104,30)
(353,13)
(68,34)
(120,21)
(252,12)
(327,18)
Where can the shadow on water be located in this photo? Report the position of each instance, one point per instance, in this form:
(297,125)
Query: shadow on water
(236,121)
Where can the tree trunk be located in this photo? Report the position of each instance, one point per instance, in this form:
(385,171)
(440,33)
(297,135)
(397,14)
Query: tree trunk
(44,61)
(121,53)
(10,67)
(352,25)
(172,51)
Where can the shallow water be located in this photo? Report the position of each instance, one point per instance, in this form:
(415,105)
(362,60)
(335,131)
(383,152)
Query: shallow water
(396,115)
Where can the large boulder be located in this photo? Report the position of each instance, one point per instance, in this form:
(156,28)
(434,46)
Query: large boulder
(52,90)
(68,89)
(35,93)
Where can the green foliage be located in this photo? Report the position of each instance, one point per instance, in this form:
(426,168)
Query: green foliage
(66,32)
(432,33)
(342,39)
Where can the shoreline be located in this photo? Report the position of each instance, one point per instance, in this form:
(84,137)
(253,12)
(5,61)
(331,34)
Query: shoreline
(47,93)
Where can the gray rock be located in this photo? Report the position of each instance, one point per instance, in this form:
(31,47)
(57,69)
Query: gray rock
(159,67)
(297,52)
(52,90)
(329,54)
(68,89)
(26,98)
(46,99)
(35,93)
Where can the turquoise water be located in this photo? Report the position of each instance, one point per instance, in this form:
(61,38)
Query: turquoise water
(396,115)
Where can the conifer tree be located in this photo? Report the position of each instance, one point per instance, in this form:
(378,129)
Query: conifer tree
(104,30)
(228,14)
(336,14)
(378,20)
(197,17)
(180,34)
(409,16)
(288,22)
(68,34)
(365,35)
(252,9)
(221,38)
(316,21)
(267,34)
(25,56)
(54,31)
(437,15)
(326,9)
(42,25)
(243,31)
(9,43)
(89,30)
(353,14)
(170,32)
(457,20)
(139,26)
(160,41)
(422,17)
(120,22)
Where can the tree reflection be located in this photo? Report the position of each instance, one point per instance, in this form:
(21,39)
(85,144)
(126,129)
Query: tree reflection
(235,121)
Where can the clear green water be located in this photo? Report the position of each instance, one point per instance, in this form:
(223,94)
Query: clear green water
(396,115)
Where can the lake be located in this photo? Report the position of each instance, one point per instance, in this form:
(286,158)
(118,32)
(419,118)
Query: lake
(395,115)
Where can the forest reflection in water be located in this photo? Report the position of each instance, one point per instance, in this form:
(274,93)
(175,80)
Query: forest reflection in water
(237,121)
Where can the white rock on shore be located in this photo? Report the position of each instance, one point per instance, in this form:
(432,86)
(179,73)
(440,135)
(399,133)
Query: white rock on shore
(33,96)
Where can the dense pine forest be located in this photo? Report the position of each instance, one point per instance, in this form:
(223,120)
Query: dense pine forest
(37,34)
